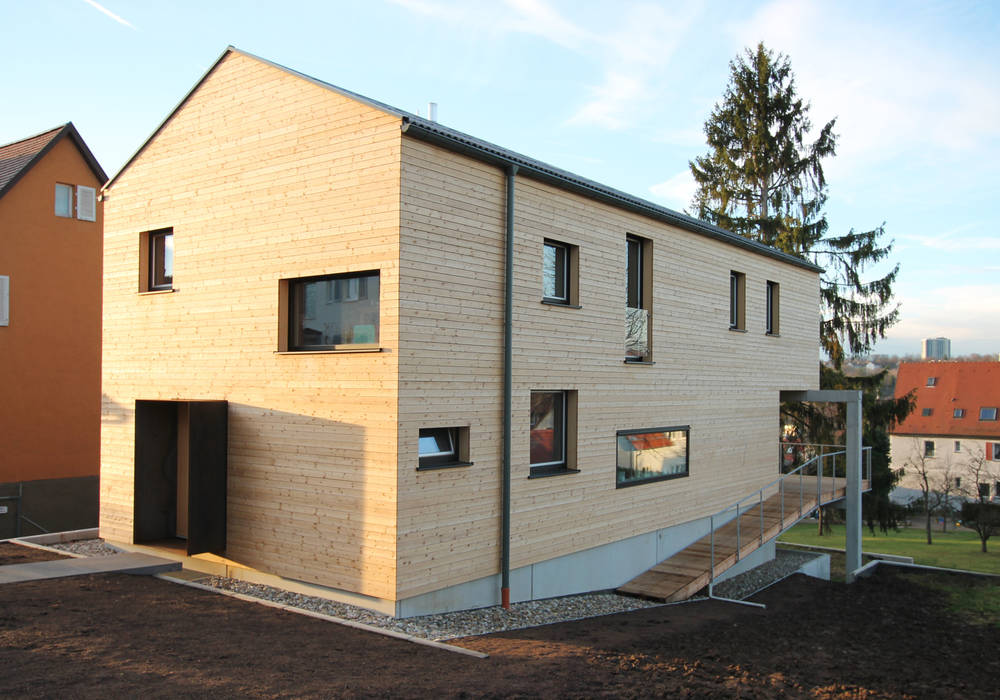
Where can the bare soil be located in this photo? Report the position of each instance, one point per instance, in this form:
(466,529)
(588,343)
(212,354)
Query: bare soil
(11,553)
(114,635)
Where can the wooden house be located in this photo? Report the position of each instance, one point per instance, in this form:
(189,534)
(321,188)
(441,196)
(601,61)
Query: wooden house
(309,355)
(50,333)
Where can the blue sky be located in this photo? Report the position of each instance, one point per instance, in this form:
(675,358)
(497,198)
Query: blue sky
(614,91)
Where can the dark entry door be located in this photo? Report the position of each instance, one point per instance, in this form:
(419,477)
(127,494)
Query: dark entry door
(208,441)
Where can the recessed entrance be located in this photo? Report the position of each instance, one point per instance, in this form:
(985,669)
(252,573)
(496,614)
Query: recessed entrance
(181,452)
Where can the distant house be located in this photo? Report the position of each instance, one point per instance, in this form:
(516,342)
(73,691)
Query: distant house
(304,355)
(955,417)
(50,333)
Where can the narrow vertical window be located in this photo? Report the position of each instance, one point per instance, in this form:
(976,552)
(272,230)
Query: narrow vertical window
(161,259)
(638,292)
(928,448)
(737,301)
(555,273)
(86,203)
(552,432)
(773,298)
(4,300)
(64,200)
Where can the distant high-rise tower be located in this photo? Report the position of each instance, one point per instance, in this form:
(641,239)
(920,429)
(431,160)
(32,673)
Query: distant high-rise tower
(936,349)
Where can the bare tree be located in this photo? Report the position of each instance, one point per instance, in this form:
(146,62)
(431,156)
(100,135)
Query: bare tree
(944,490)
(920,464)
(978,513)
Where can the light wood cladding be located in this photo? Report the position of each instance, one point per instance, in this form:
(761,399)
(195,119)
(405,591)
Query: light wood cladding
(265,177)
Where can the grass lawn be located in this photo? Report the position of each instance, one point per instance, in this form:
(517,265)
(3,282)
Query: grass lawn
(958,549)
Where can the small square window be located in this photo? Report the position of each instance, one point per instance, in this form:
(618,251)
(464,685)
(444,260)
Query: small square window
(737,301)
(988,413)
(928,448)
(927,412)
(773,301)
(552,432)
(64,200)
(931,381)
(959,413)
(443,447)
(333,312)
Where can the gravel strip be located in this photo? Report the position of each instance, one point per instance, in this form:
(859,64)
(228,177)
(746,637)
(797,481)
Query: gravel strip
(469,623)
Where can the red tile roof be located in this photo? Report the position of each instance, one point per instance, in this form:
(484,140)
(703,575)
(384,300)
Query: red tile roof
(17,158)
(957,385)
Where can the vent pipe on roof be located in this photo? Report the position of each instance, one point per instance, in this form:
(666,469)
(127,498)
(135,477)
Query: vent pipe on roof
(432,111)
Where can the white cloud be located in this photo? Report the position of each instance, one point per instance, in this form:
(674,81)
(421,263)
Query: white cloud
(960,312)
(677,191)
(891,88)
(109,13)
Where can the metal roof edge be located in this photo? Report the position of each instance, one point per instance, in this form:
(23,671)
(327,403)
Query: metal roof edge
(457,141)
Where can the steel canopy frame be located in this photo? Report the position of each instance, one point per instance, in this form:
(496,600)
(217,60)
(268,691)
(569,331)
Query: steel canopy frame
(853,426)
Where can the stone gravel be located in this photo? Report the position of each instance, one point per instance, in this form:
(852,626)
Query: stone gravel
(468,623)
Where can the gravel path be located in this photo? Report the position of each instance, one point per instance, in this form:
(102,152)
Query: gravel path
(469,623)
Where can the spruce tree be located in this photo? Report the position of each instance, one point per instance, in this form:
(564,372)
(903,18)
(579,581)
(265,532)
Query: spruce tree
(763,179)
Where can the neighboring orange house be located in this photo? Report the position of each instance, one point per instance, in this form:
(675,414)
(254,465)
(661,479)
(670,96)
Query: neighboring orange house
(51,225)
(956,418)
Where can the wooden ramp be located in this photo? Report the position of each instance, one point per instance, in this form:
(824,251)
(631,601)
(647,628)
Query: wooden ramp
(688,571)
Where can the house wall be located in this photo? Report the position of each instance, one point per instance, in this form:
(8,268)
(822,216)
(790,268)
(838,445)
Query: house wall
(263,176)
(724,384)
(906,452)
(50,351)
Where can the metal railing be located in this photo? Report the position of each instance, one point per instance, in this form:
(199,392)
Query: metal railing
(823,466)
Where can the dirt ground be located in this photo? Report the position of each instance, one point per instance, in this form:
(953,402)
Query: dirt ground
(11,553)
(117,635)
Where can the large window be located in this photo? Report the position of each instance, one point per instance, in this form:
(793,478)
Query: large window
(988,413)
(552,432)
(652,454)
(334,312)
(737,301)
(772,310)
(637,302)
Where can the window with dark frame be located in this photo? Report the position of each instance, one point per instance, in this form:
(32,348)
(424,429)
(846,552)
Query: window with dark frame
(737,301)
(773,297)
(548,432)
(637,300)
(651,454)
(931,381)
(927,412)
(333,312)
(988,413)
(984,491)
(959,413)
(996,451)
(556,272)
(958,445)
(928,448)
(443,447)
(161,259)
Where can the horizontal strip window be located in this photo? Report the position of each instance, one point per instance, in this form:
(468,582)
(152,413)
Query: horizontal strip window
(652,454)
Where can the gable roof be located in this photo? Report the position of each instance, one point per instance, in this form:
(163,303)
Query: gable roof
(17,158)
(957,385)
(456,141)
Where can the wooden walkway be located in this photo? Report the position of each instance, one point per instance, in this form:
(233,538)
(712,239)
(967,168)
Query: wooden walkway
(688,571)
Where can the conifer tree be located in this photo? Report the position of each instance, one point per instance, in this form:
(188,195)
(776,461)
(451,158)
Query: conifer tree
(763,179)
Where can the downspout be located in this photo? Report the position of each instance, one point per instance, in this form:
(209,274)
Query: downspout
(508,342)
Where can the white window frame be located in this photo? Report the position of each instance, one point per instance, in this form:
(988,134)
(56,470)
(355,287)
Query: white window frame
(68,190)
(86,203)
(4,300)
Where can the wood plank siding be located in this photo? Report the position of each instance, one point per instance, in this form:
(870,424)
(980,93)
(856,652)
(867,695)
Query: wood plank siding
(263,176)
(723,384)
